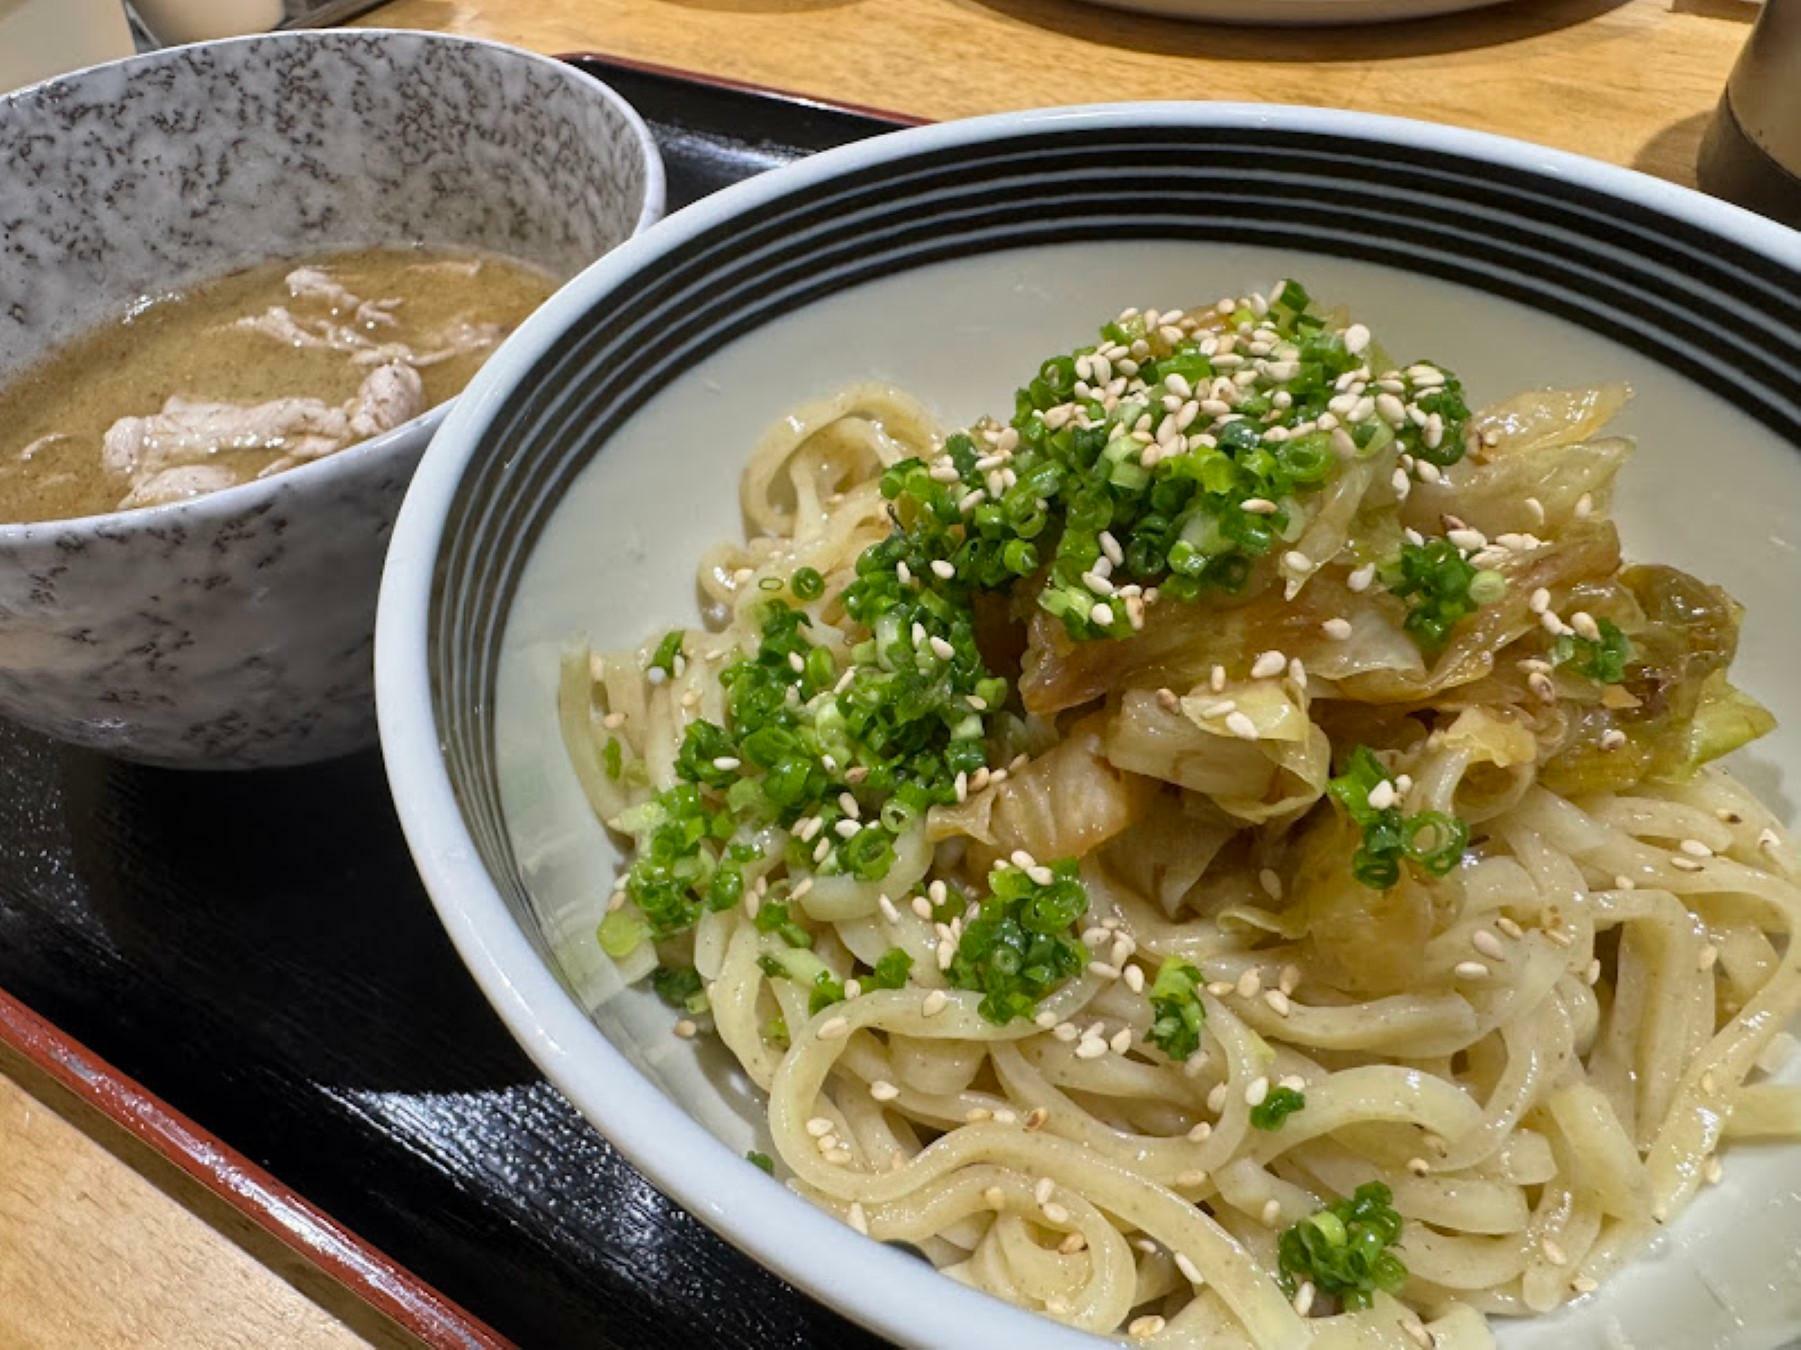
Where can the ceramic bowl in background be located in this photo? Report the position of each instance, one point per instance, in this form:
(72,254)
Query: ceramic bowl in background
(560,501)
(235,629)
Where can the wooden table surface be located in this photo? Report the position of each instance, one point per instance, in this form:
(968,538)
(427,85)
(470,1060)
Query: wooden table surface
(99,1245)
(1632,81)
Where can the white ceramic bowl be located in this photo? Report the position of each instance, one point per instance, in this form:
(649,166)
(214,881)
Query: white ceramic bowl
(574,488)
(236,629)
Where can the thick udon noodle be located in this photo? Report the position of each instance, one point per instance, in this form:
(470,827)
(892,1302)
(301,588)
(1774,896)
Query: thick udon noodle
(1536,1126)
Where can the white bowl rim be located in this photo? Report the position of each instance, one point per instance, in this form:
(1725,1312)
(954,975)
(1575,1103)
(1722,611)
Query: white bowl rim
(881,1288)
(241,497)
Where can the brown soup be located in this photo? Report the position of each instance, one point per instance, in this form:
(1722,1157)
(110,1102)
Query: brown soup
(257,372)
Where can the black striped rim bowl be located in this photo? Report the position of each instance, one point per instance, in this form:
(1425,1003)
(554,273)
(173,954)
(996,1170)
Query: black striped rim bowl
(974,248)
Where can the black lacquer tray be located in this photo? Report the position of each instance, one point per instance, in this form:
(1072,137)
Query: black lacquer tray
(256,951)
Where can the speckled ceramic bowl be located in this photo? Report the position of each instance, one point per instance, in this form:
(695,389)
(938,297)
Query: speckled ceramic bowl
(235,630)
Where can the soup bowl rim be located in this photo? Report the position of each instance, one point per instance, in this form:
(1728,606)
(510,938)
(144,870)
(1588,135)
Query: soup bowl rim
(240,498)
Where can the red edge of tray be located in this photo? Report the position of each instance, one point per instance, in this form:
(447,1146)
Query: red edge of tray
(374,1277)
(746,87)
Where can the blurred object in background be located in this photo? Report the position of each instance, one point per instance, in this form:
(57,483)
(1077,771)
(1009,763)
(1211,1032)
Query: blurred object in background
(1752,152)
(177,21)
(41,38)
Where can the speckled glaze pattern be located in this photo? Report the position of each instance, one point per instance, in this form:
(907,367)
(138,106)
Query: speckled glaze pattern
(235,630)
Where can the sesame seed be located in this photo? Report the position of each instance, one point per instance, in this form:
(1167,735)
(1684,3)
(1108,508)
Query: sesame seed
(1712,1172)
(819,1127)
(1268,664)
(1593,974)
(1296,561)
(856,1218)
(1278,1001)
(1356,338)
(1103,970)
(1695,848)
(1585,505)
(686,1029)
(1421,1337)
(941,649)
(1065,1031)
(1553,1253)
(1101,615)
(1241,726)
(1383,795)
(1190,1271)
(1090,1048)
(1249,983)
(1541,686)
(1121,1041)
(1418,1166)
(1471,970)
(1586,627)
(1272,1212)
(837,1028)
(1582,1284)
(1683,863)
(883,1091)
(1470,541)
(1488,944)
(1216,679)
(1360,579)
(846,829)
(1255,1094)
(1134,978)
(1303,1298)
(1768,839)
(1290,979)
(1198,1132)
(1539,601)
(933,1003)
(1336,629)
(1219,988)
(1216,1098)
(1148,1325)
(1708,1082)
(1221,708)
(1612,739)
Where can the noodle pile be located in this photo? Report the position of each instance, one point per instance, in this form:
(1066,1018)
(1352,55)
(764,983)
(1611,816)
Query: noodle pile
(1532,995)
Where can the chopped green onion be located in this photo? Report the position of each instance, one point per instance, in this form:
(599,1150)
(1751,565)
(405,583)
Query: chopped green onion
(762,1160)
(1176,1010)
(807,584)
(1431,839)
(890,971)
(1442,587)
(1602,659)
(667,651)
(680,987)
(1343,1250)
(1281,1103)
(1019,946)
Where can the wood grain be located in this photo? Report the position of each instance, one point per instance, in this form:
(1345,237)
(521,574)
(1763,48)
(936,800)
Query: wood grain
(1632,81)
(103,1243)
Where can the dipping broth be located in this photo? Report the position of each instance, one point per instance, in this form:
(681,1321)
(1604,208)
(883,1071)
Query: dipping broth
(254,373)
